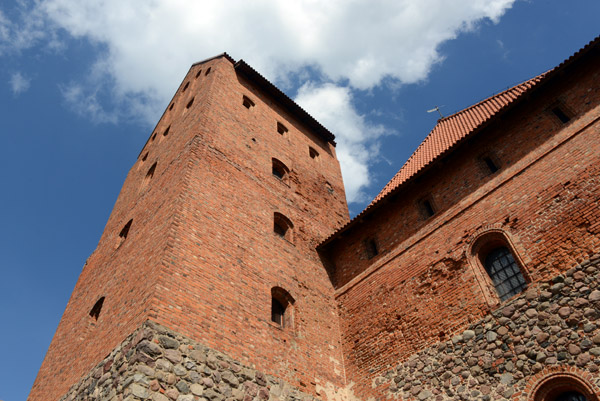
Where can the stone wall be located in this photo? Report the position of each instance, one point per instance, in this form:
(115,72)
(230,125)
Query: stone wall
(154,363)
(553,325)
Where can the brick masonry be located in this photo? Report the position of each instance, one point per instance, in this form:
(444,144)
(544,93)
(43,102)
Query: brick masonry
(201,261)
(201,256)
(427,284)
(552,327)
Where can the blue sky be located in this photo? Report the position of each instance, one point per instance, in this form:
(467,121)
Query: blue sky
(83,83)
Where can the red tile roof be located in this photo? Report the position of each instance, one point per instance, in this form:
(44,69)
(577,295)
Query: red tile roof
(450,130)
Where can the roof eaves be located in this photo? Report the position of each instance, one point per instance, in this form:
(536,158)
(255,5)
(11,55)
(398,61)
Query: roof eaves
(545,77)
(291,106)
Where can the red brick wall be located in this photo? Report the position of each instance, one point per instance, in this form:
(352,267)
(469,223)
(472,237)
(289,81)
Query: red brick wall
(201,256)
(423,286)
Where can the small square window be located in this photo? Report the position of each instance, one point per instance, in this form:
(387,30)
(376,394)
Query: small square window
(282,129)
(371,247)
(490,164)
(427,207)
(247,102)
(561,114)
(313,153)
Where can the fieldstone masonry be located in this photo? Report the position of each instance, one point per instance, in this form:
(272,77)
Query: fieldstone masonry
(553,324)
(154,363)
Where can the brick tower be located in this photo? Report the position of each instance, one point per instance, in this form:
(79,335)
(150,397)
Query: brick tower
(210,253)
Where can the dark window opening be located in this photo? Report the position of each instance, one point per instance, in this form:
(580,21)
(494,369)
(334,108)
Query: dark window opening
(171,106)
(207,71)
(329,187)
(279,229)
(428,208)
(282,226)
(505,272)
(280,170)
(153,137)
(247,102)
(125,231)
(167,131)
(313,153)
(150,172)
(490,164)
(185,87)
(198,73)
(277,312)
(571,396)
(189,104)
(282,129)
(561,115)
(95,312)
(282,311)
(145,157)
(372,250)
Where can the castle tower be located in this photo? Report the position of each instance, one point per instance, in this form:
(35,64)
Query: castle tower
(212,240)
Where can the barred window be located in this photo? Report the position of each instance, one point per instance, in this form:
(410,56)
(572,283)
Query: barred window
(571,396)
(505,273)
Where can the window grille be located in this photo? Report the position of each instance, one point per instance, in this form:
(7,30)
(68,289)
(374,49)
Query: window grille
(571,396)
(505,273)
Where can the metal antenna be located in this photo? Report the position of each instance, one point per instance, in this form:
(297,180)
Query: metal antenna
(436,108)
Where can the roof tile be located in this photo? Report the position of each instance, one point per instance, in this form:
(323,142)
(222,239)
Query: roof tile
(450,130)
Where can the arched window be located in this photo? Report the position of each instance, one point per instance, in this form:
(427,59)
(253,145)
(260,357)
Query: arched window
(282,226)
(280,170)
(501,266)
(148,176)
(562,385)
(124,232)
(95,312)
(497,267)
(282,313)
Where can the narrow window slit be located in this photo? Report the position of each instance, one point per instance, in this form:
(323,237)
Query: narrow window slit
(187,84)
(124,232)
(189,104)
(95,312)
(198,73)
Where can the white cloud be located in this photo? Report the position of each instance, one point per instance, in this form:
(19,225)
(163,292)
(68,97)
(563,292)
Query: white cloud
(19,83)
(356,137)
(147,46)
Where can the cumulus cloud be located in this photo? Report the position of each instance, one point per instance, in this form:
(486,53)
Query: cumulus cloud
(146,47)
(19,83)
(356,137)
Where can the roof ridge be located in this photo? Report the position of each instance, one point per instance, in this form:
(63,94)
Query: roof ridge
(494,96)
